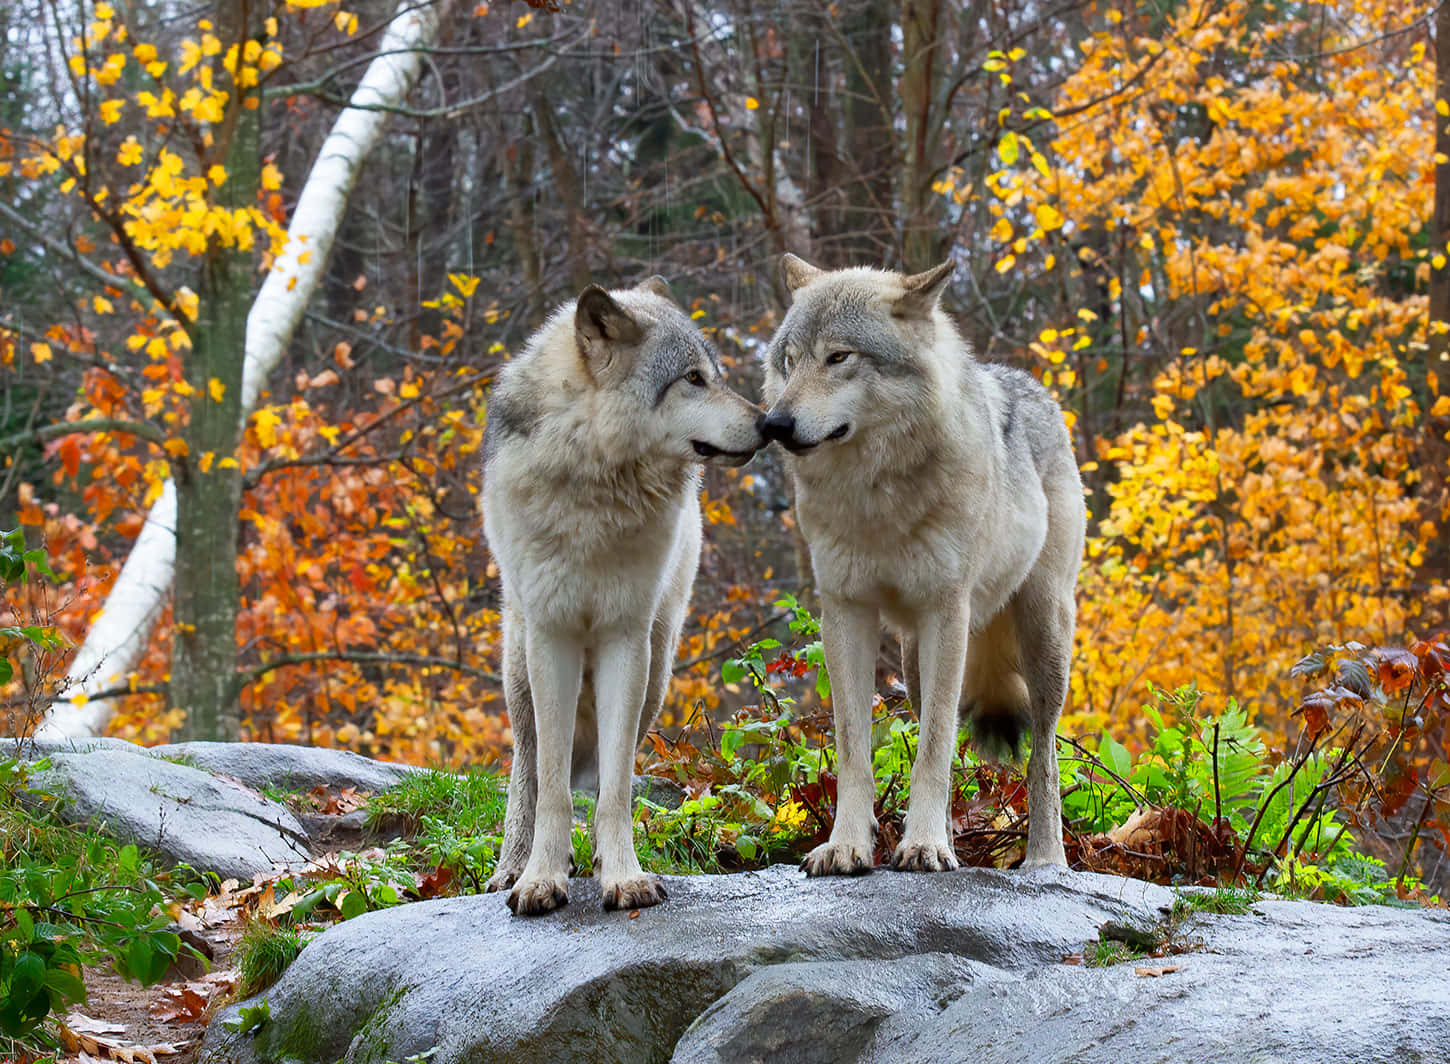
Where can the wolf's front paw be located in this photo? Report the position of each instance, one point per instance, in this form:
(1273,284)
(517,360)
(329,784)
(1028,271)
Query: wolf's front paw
(531,897)
(916,856)
(637,892)
(838,859)
(502,879)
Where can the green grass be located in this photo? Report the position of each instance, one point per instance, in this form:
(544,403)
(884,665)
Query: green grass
(263,955)
(472,801)
(1104,953)
(1225,901)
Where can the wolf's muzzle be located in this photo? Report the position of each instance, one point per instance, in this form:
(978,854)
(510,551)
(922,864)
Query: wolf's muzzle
(708,451)
(777,425)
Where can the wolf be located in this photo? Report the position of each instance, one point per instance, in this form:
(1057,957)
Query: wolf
(592,459)
(942,494)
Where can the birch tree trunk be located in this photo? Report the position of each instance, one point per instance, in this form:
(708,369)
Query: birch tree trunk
(119,634)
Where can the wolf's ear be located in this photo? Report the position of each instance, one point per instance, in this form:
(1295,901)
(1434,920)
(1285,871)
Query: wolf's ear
(600,323)
(922,291)
(796,271)
(656,285)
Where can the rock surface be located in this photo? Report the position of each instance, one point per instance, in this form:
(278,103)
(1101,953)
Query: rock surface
(286,767)
(832,959)
(35,749)
(885,969)
(185,814)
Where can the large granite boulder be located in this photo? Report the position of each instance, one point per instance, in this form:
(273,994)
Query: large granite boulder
(287,767)
(892,967)
(184,814)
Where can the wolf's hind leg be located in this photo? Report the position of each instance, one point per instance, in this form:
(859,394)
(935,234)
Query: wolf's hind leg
(911,671)
(621,676)
(556,672)
(1045,619)
(852,636)
(518,821)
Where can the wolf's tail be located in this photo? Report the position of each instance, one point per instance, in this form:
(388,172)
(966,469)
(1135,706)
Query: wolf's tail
(998,731)
(995,697)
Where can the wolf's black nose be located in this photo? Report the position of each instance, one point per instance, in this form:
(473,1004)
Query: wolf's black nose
(777,425)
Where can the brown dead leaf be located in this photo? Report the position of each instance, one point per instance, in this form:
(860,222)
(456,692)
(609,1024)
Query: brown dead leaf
(183,1004)
(436,881)
(1157,970)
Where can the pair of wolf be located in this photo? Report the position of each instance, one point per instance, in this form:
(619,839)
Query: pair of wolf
(935,492)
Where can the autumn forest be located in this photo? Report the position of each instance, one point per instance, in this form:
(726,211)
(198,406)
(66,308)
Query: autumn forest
(260,261)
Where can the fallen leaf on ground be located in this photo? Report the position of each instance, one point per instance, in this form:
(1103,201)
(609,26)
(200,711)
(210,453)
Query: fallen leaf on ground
(1155,972)
(80,1023)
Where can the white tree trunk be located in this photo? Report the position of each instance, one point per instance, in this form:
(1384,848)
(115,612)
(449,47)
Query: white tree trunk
(119,633)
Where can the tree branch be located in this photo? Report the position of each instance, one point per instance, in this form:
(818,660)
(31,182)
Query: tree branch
(247,676)
(143,429)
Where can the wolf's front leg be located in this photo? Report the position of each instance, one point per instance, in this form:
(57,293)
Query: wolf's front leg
(852,635)
(556,671)
(926,845)
(620,677)
(518,821)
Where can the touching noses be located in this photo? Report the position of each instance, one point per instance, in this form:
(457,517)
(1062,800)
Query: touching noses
(777,425)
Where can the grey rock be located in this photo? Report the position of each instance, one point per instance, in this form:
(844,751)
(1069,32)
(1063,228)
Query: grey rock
(1293,983)
(821,1012)
(464,978)
(659,791)
(288,767)
(184,814)
(35,749)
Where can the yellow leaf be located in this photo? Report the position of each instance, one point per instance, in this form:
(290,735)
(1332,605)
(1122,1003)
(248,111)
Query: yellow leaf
(176,448)
(1008,148)
(1002,230)
(101,304)
(1048,217)
(267,422)
(40,352)
(524,20)
(1048,336)
(271,178)
(1442,108)
(229,463)
(1441,407)
(111,111)
(216,389)
(751,103)
(464,283)
(130,153)
(1005,263)
(206,461)
(217,174)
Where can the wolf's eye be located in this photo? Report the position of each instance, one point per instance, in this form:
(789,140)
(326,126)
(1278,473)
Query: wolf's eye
(835,358)
(696,378)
